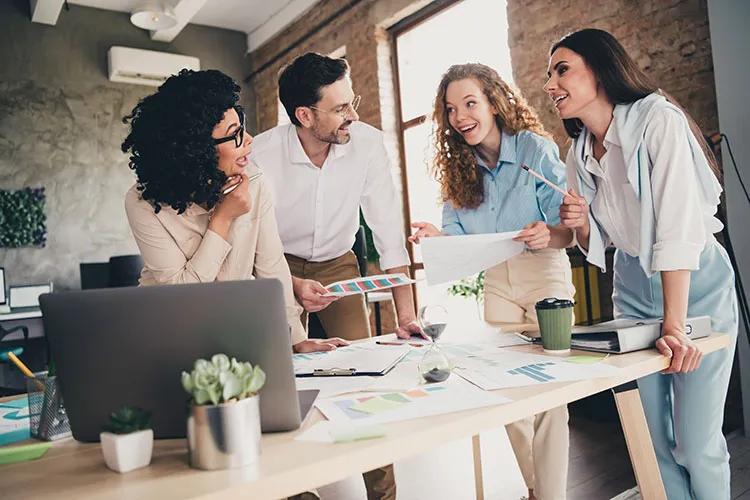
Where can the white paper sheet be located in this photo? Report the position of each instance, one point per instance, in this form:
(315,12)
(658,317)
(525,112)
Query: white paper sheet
(455,394)
(332,432)
(451,258)
(515,369)
(334,386)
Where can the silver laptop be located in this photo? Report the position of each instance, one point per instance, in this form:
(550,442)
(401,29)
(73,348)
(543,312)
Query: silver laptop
(128,346)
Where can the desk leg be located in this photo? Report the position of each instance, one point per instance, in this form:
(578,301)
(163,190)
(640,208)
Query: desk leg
(478,481)
(641,450)
(378,327)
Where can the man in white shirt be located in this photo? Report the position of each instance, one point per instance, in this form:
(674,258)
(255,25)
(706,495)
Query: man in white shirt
(323,167)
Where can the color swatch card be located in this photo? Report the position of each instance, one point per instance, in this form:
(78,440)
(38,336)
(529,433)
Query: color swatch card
(367,284)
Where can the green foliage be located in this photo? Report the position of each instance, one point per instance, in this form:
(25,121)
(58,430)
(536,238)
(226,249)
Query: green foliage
(222,380)
(22,218)
(128,420)
(470,287)
(372,253)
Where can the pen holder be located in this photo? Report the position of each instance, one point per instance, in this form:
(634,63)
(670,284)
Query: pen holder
(47,418)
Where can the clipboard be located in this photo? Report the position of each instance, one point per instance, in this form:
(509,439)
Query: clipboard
(351,361)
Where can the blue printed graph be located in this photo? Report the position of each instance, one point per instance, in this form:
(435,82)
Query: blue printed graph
(536,372)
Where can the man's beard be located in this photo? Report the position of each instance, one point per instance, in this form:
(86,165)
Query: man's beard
(336,137)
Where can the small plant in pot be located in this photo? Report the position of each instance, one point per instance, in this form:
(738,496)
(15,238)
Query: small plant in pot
(128,441)
(224,423)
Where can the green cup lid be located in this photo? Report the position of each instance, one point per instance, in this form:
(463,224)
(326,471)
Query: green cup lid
(554,303)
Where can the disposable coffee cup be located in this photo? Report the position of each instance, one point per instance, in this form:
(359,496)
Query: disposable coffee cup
(555,321)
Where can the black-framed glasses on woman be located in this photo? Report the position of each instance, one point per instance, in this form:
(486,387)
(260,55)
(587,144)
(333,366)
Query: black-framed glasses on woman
(346,111)
(239,135)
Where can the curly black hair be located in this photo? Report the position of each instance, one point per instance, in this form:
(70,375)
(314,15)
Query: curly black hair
(172,151)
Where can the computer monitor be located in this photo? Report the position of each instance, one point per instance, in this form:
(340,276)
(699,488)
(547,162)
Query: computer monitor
(128,346)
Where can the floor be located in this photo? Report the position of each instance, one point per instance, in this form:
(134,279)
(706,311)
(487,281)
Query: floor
(599,465)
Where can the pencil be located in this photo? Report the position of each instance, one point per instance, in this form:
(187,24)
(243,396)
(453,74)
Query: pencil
(25,369)
(556,188)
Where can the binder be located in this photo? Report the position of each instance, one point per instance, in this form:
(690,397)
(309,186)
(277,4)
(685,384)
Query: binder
(627,335)
(350,361)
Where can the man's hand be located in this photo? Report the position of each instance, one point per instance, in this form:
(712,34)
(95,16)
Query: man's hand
(315,345)
(535,235)
(409,328)
(686,356)
(309,293)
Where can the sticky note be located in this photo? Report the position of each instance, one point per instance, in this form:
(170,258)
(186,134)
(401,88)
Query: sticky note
(357,433)
(376,405)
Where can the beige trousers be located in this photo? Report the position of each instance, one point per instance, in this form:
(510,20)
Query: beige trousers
(511,290)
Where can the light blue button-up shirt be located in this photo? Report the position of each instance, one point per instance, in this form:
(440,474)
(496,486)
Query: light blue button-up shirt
(513,197)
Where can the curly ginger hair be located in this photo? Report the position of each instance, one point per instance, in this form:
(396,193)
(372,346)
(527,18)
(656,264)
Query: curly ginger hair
(454,165)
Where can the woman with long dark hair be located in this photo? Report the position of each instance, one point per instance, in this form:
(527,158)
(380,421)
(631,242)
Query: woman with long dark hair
(199,209)
(484,132)
(648,184)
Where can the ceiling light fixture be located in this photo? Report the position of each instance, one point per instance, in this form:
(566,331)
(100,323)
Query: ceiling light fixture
(153,16)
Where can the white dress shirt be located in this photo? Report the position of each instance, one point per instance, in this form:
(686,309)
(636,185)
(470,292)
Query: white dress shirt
(317,209)
(681,224)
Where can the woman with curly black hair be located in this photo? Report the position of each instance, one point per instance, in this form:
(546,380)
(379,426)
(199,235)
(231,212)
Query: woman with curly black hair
(199,211)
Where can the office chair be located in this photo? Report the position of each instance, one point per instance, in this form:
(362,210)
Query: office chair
(17,350)
(315,328)
(125,270)
(94,275)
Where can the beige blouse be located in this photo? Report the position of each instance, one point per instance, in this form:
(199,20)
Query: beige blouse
(181,249)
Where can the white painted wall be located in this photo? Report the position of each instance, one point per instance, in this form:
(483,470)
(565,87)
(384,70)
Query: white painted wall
(730,39)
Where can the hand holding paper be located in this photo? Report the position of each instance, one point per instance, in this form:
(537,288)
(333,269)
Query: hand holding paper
(367,284)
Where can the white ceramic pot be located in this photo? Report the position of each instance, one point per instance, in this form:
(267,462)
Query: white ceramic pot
(126,452)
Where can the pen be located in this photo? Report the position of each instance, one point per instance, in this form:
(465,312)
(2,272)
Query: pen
(556,188)
(235,186)
(382,342)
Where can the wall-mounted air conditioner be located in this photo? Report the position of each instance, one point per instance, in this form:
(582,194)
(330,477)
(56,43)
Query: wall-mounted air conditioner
(146,67)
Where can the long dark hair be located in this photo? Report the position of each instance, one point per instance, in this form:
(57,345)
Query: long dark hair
(621,78)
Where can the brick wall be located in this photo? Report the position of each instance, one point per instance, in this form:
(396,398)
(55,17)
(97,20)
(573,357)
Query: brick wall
(668,38)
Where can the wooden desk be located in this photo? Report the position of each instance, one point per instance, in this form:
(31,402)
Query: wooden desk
(77,471)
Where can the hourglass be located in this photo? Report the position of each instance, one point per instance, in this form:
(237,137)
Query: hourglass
(434,366)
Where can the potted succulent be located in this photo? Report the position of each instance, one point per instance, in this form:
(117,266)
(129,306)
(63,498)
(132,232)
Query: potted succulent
(128,441)
(224,423)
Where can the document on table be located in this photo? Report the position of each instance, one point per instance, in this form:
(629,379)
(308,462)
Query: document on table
(451,258)
(356,359)
(505,369)
(455,394)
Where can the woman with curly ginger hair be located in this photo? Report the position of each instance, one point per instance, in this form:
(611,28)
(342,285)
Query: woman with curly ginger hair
(484,132)
(199,211)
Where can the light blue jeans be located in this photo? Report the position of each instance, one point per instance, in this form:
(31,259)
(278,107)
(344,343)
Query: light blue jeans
(685,411)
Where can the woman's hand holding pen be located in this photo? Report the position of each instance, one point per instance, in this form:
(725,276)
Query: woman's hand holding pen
(574,211)
(234,203)
(424,230)
(235,199)
(535,235)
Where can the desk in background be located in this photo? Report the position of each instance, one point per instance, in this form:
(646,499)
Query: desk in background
(286,467)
